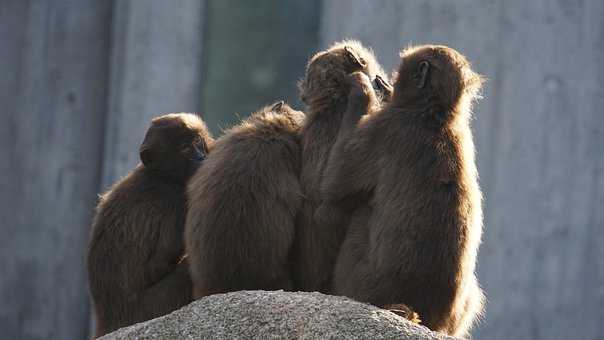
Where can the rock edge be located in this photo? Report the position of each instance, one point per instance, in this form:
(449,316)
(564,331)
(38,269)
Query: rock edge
(276,315)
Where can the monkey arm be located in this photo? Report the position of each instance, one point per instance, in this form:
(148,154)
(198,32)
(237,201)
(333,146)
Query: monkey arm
(162,264)
(178,277)
(361,100)
(337,205)
(157,266)
(171,292)
(349,177)
(164,246)
(350,170)
(156,269)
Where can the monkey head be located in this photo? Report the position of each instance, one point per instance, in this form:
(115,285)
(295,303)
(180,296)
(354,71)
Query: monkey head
(270,122)
(325,81)
(435,75)
(295,117)
(175,145)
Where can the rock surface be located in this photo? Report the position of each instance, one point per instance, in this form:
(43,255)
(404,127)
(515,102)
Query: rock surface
(276,315)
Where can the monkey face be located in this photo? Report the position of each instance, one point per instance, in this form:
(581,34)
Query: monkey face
(175,145)
(194,149)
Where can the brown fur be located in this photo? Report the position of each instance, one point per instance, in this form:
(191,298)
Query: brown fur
(353,213)
(243,204)
(415,158)
(324,91)
(135,265)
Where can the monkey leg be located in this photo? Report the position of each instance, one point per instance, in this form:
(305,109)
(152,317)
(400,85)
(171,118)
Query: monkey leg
(351,273)
(468,311)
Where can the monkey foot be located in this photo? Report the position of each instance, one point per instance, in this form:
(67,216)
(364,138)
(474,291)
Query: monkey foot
(403,311)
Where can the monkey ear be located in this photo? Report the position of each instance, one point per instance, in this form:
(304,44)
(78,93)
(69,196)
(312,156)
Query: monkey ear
(422,74)
(278,106)
(353,57)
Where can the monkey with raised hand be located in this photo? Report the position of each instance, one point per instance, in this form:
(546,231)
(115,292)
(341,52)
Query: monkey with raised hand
(136,265)
(414,161)
(243,205)
(324,91)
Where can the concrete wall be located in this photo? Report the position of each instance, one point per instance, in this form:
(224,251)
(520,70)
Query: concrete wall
(254,54)
(79,81)
(155,68)
(53,85)
(539,133)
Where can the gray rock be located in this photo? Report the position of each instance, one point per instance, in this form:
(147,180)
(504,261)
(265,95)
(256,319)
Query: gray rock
(276,315)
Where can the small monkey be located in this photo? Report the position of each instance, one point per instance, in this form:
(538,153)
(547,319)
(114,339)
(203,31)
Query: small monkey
(324,90)
(414,159)
(136,267)
(243,203)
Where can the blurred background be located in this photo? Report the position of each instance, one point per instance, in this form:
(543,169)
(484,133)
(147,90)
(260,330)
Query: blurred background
(80,80)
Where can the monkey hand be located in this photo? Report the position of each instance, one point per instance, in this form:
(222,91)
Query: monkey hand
(382,88)
(361,96)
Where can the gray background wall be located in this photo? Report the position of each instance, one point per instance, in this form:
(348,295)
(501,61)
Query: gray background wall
(79,81)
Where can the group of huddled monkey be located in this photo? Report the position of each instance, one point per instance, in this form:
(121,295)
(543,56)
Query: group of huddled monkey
(371,193)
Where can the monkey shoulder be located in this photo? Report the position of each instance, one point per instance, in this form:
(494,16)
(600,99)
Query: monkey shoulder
(262,138)
(136,202)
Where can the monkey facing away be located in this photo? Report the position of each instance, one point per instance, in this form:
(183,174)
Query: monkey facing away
(136,269)
(243,203)
(415,157)
(352,213)
(324,91)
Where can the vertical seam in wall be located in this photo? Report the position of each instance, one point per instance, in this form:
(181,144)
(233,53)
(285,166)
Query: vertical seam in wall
(203,63)
(113,87)
(103,138)
(495,125)
(319,32)
(320,26)
(108,97)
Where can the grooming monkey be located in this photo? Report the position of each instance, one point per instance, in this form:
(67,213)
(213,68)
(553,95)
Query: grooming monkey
(243,204)
(413,162)
(324,90)
(136,269)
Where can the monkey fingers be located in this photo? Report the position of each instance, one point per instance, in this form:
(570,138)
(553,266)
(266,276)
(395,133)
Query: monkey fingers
(382,88)
(404,311)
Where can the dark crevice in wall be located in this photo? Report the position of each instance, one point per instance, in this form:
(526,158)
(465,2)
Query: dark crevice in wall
(103,142)
(254,53)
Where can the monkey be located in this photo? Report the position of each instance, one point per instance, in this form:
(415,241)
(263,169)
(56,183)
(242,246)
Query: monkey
(362,99)
(414,159)
(243,203)
(324,91)
(136,265)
